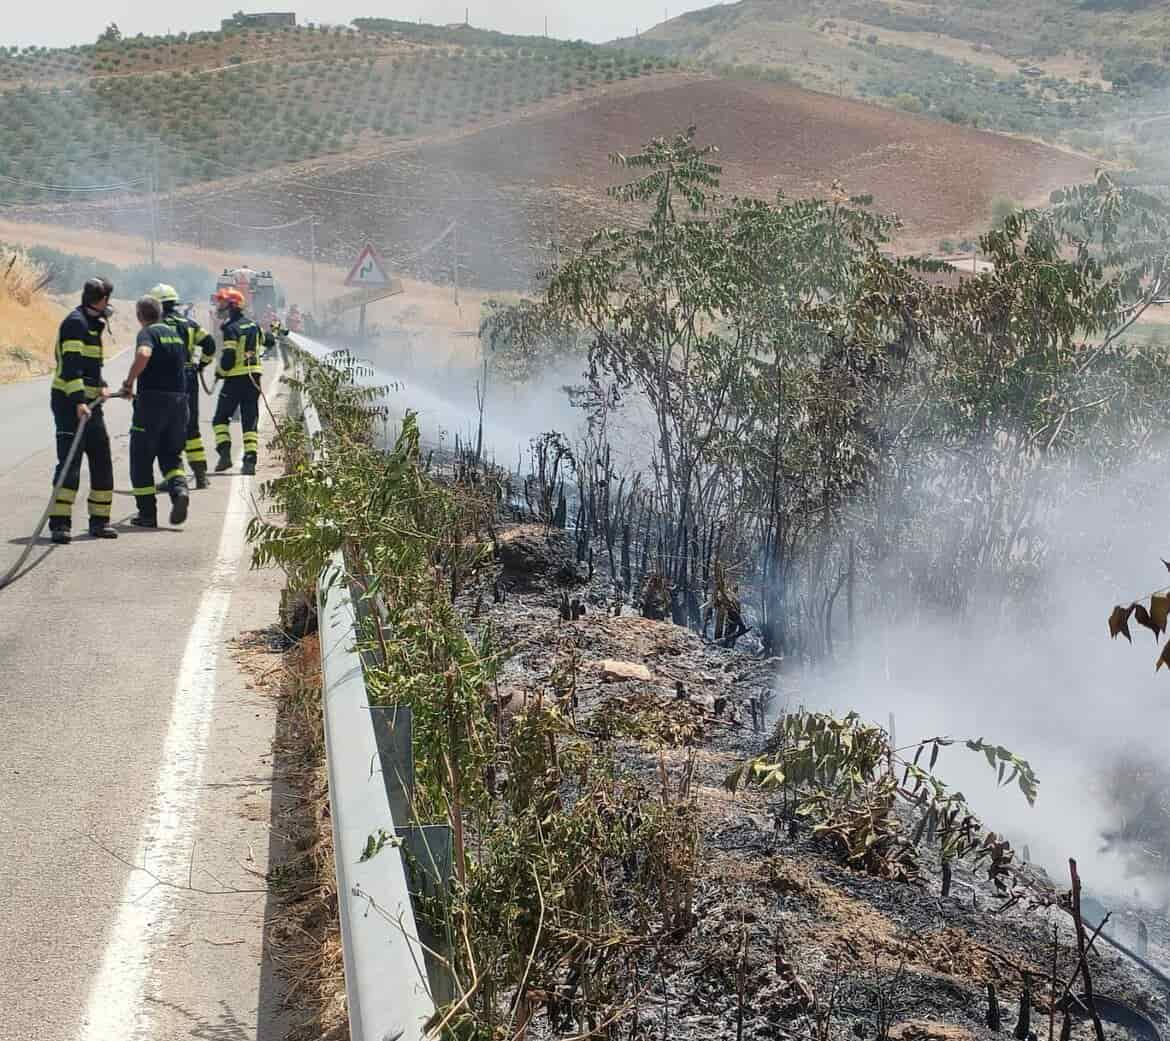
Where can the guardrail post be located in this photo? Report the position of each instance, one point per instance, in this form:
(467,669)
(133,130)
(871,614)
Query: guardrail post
(428,851)
(393,728)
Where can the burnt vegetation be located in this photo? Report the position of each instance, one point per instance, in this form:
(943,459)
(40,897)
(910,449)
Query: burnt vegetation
(789,433)
(838,432)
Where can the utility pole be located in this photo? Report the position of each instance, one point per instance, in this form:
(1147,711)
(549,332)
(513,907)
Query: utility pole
(455,259)
(154,206)
(546,27)
(313,261)
(556,230)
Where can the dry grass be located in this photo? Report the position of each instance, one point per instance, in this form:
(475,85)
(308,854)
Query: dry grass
(28,318)
(304,938)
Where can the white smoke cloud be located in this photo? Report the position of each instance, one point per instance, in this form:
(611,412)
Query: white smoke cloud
(1051,687)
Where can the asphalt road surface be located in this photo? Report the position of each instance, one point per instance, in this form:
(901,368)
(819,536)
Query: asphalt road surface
(136,781)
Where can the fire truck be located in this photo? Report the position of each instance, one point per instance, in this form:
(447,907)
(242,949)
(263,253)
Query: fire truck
(258,287)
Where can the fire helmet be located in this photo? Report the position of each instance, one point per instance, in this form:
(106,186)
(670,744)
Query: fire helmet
(229,298)
(165,294)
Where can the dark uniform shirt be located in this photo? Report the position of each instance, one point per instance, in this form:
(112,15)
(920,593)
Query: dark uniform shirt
(200,344)
(79,358)
(166,370)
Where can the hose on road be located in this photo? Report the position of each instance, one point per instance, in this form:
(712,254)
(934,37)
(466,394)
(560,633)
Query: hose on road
(74,446)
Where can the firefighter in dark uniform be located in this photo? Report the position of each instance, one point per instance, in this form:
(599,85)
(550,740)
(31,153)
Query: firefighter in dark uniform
(159,427)
(200,353)
(77,389)
(240,369)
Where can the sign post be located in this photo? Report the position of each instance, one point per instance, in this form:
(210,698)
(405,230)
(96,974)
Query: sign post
(368,272)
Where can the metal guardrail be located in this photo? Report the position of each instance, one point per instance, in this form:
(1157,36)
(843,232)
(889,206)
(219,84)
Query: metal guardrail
(384,961)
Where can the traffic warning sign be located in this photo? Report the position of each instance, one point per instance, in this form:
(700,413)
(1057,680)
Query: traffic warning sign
(368,272)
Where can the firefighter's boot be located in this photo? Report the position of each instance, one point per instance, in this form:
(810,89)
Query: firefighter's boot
(60,536)
(180,500)
(249,464)
(224,462)
(100,529)
(200,471)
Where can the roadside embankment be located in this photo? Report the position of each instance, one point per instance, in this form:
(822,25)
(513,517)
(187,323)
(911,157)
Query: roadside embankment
(28,318)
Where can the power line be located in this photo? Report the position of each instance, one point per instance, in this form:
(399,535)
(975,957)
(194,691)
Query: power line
(75,189)
(252,227)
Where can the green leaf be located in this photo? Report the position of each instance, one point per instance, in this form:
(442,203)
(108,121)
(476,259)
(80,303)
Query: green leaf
(376,843)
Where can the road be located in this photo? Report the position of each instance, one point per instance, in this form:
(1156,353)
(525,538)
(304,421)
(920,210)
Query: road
(136,785)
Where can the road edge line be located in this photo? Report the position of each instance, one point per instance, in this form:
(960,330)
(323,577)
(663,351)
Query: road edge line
(114,1008)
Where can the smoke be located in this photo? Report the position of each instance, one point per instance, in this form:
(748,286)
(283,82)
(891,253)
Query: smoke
(1038,675)
(1046,682)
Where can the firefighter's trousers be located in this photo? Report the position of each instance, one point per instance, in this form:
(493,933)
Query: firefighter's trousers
(158,431)
(244,392)
(96,449)
(194,444)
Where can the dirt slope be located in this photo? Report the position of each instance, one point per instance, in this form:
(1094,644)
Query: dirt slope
(28,319)
(517,186)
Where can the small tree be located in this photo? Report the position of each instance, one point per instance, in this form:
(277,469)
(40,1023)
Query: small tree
(112,34)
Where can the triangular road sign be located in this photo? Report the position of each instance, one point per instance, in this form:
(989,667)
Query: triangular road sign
(368,272)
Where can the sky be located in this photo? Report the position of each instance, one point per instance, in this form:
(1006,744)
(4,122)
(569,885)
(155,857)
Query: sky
(68,22)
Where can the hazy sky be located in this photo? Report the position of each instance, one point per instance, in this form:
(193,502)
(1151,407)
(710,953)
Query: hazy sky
(71,21)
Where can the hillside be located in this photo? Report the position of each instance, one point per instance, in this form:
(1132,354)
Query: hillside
(242,101)
(518,185)
(1067,72)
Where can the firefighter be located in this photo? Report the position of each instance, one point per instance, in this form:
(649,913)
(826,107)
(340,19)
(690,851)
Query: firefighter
(240,370)
(159,427)
(200,353)
(77,389)
(279,332)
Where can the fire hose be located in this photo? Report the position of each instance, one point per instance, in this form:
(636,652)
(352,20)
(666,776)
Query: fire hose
(74,447)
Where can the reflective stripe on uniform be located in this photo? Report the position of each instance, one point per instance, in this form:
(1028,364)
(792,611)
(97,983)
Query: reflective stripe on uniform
(242,365)
(73,347)
(194,450)
(101,504)
(63,503)
(146,490)
(222,434)
(69,387)
(177,472)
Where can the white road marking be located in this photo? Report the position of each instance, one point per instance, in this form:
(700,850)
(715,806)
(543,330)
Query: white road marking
(115,1010)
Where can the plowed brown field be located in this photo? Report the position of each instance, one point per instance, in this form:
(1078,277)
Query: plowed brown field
(515,187)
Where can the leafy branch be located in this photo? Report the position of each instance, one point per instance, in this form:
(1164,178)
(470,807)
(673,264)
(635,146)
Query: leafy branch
(844,774)
(1151,611)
